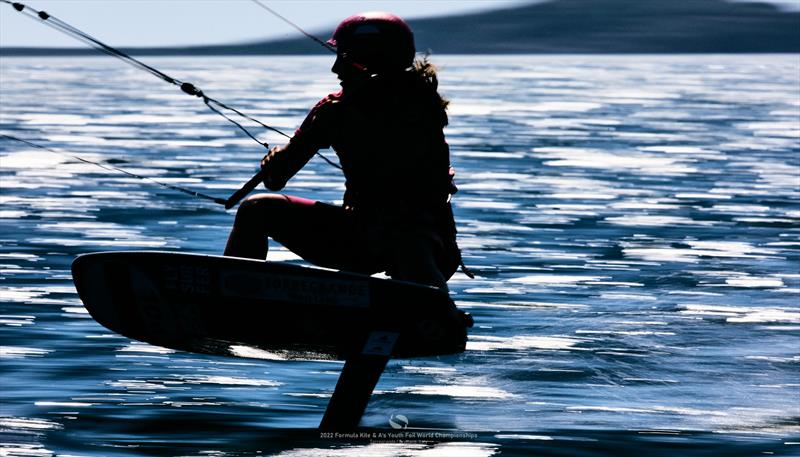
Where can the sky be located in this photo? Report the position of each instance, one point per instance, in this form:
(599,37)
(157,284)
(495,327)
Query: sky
(195,22)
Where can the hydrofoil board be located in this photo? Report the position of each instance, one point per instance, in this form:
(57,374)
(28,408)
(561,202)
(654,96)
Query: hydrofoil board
(225,306)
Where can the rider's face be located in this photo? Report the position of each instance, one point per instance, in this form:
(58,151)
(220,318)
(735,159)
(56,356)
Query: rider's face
(346,69)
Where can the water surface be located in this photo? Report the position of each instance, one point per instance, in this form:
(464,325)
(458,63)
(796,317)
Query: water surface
(633,223)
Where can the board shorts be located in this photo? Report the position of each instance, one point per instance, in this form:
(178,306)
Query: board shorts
(334,237)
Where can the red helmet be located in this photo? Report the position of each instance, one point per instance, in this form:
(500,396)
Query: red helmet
(379,41)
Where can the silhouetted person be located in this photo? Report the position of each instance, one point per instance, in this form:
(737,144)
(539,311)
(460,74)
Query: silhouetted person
(386,128)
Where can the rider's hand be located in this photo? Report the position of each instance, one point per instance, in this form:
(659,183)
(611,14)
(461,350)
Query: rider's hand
(267,157)
(268,181)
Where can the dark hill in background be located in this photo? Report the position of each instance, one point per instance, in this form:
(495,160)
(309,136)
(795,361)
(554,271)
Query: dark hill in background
(563,26)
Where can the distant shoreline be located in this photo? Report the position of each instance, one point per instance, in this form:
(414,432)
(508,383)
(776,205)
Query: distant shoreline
(620,27)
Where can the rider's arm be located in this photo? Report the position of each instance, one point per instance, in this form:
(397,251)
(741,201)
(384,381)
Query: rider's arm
(314,134)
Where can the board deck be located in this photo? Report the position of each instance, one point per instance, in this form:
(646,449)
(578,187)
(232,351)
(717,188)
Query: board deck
(220,305)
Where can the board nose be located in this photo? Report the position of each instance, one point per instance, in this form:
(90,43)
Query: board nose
(87,273)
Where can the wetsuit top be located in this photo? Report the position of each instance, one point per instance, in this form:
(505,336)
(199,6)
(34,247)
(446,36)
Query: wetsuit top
(388,136)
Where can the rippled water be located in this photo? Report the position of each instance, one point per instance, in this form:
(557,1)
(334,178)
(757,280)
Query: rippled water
(633,223)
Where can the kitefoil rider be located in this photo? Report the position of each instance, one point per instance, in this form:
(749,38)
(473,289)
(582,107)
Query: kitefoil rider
(386,126)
